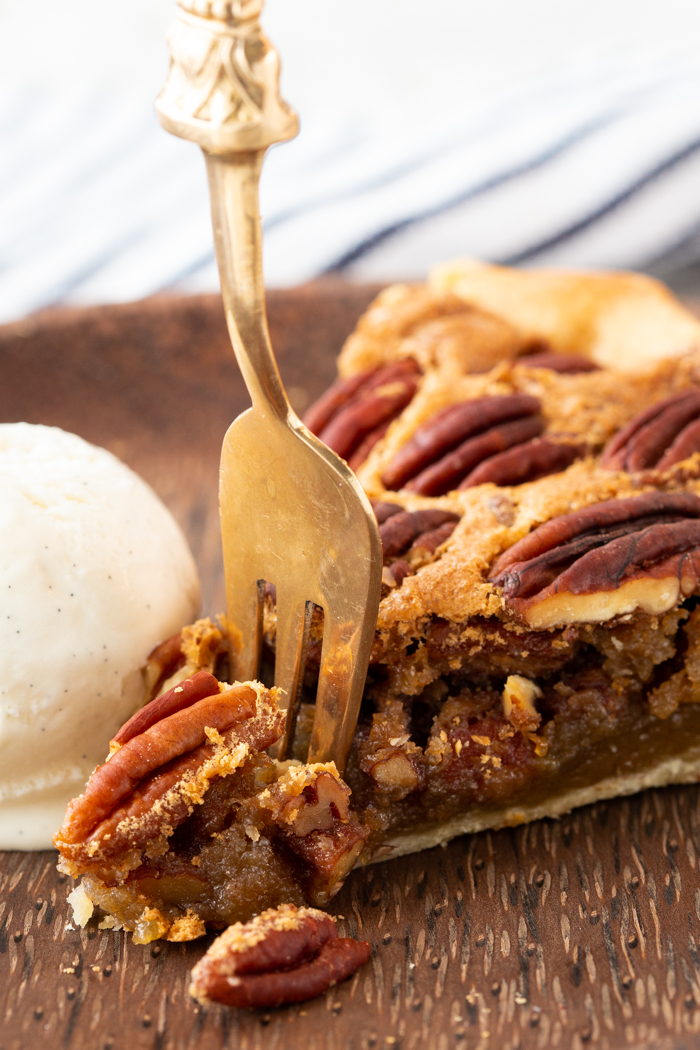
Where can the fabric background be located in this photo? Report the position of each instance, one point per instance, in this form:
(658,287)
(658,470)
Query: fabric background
(546,132)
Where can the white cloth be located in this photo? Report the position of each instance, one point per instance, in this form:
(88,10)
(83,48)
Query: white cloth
(538,133)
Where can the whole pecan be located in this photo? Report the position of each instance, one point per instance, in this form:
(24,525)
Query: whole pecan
(663,434)
(605,560)
(355,413)
(153,749)
(284,955)
(410,533)
(487,439)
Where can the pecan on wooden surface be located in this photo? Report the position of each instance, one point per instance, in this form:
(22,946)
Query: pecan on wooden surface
(662,435)
(605,560)
(285,955)
(354,414)
(494,439)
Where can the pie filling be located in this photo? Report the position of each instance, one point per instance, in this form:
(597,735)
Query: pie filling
(507,718)
(611,701)
(226,862)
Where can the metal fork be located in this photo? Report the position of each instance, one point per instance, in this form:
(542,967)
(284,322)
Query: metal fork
(292,512)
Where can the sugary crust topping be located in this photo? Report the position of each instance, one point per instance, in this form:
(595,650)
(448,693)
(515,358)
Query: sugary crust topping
(585,408)
(238,939)
(436,329)
(456,587)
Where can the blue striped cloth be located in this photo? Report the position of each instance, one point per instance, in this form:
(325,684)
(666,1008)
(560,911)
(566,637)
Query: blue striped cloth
(593,163)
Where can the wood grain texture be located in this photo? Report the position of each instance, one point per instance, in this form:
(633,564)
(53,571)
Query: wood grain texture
(577,933)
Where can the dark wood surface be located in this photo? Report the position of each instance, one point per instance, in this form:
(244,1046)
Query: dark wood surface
(573,933)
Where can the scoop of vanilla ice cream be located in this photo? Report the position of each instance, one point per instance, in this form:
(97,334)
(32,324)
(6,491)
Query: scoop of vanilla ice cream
(94,572)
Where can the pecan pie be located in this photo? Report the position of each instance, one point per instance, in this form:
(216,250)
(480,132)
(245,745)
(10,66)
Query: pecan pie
(189,823)
(538,638)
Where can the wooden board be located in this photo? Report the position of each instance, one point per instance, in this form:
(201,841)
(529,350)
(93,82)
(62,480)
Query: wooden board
(577,933)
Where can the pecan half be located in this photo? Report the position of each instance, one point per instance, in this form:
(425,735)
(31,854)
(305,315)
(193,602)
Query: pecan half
(487,439)
(285,955)
(192,689)
(401,531)
(604,561)
(354,413)
(162,662)
(526,462)
(416,534)
(172,736)
(660,436)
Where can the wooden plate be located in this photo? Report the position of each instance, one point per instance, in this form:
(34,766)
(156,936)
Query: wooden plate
(573,933)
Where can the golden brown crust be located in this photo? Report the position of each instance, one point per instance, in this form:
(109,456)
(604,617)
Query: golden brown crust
(683,769)
(619,320)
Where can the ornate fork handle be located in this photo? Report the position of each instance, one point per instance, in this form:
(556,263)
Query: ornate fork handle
(222,93)
(313,533)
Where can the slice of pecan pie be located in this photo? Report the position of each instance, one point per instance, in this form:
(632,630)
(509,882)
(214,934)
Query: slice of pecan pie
(538,638)
(189,823)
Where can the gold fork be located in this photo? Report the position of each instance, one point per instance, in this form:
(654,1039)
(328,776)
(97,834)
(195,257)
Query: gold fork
(292,512)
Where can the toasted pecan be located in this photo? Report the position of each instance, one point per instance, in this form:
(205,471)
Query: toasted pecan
(456,468)
(489,439)
(657,438)
(310,807)
(162,662)
(527,462)
(446,430)
(284,955)
(389,756)
(169,738)
(354,413)
(605,560)
(188,692)
(165,798)
(654,506)
(401,530)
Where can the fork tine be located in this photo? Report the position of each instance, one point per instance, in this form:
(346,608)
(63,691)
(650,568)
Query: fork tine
(244,605)
(293,623)
(344,660)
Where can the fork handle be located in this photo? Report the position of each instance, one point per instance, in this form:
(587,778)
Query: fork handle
(222,92)
(233,189)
